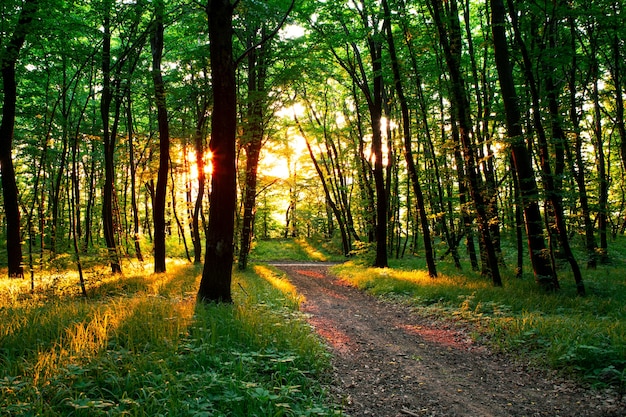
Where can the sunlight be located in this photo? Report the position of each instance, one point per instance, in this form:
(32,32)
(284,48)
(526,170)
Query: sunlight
(289,111)
(292,32)
(282,163)
(193,166)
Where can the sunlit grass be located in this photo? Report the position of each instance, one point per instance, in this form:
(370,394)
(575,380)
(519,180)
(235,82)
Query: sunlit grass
(141,346)
(582,336)
(300,249)
(279,282)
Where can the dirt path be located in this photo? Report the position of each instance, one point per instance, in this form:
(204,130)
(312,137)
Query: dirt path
(390,362)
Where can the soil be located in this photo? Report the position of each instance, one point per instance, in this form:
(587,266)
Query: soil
(388,360)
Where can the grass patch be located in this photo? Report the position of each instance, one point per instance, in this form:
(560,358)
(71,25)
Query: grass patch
(301,249)
(580,336)
(140,346)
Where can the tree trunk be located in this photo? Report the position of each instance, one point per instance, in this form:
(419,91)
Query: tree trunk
(452,51)
(408,152)
(217,273)
(598,143)
(544,274)
(375,105)
(253,141)
(8,60)
(156,46)
(345,238)
(133,179)
(109,146)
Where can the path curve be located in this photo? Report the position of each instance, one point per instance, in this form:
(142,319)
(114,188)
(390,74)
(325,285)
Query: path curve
(390,362)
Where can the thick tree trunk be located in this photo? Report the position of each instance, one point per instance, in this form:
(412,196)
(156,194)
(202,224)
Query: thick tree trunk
(217,273)
(156,46)
(8,60)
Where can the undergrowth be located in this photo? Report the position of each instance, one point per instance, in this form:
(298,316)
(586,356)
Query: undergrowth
(141,346)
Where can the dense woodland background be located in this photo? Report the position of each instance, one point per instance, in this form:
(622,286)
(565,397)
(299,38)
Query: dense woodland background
(408,127)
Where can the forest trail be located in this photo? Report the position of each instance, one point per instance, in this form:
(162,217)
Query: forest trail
(389,361)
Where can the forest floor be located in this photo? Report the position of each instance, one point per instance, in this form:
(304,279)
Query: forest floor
(388,360)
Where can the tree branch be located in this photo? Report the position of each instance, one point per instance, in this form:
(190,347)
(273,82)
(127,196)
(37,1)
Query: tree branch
(268,36)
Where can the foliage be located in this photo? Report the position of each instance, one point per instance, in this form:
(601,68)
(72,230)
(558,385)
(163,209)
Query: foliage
(585,337)
(140,346)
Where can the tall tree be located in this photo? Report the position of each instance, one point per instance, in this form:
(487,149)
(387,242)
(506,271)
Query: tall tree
(450,40)
(108,204)
(542,268)
(156,44)
(253,132)
(217,273)
(8,59)
(408,152)
(550,183)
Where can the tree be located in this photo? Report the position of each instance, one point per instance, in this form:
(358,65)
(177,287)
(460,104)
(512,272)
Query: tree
(8,58)
(408,154)
(218,262)
(544,275)
(450,40)
(156,43)
(253,130)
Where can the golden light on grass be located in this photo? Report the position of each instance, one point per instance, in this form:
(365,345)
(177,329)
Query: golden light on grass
(277,282)
(60,328)
(311,251)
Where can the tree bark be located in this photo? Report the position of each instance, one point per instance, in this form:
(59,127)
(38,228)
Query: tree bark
(156,46)
(109,145)
(542,268)
(215,285)
(8,61)
(408,151)
(253,141)
(452,50)
(133,179)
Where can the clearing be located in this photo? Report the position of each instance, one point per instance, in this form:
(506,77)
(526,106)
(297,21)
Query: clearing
(390,361)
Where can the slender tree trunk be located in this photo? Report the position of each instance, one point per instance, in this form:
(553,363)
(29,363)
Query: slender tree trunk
(598,136)
(179,224)
(408,152)
(544,274)
(109,145)
(156,44)
(199,149)
(75,212)
(375,105)
(133,179)
(90,198)
(217,273)
(345,239)
(8,60)
(253,137)
(452,50)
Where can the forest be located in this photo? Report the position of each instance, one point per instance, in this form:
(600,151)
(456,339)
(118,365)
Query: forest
(427,126)
(484,138)
(431,127)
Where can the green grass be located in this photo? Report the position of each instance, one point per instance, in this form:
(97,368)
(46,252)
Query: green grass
(300,249)
(583,337)
(140,346)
